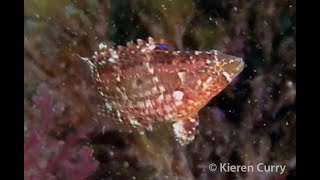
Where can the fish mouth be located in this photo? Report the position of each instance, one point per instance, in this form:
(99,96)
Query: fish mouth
(240,66)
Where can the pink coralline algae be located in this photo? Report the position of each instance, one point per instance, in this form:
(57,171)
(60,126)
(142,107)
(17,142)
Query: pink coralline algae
(48,158)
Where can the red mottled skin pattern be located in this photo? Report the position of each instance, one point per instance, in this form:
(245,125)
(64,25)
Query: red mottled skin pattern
(141,84)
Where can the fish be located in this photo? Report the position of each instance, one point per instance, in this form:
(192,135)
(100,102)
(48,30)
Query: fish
(145,82)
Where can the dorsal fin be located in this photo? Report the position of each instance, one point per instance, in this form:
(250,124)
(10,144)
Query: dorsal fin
(130,45)
(121,48)
(151,41)
(141,42)
(132,54)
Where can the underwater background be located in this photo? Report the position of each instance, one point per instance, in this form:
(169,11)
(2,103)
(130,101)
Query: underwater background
(252,121)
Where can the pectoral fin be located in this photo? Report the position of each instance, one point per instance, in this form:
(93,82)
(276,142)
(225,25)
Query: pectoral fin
(185,129)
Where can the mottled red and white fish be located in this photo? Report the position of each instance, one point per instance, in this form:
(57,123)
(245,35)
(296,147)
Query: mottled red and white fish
(144,83)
